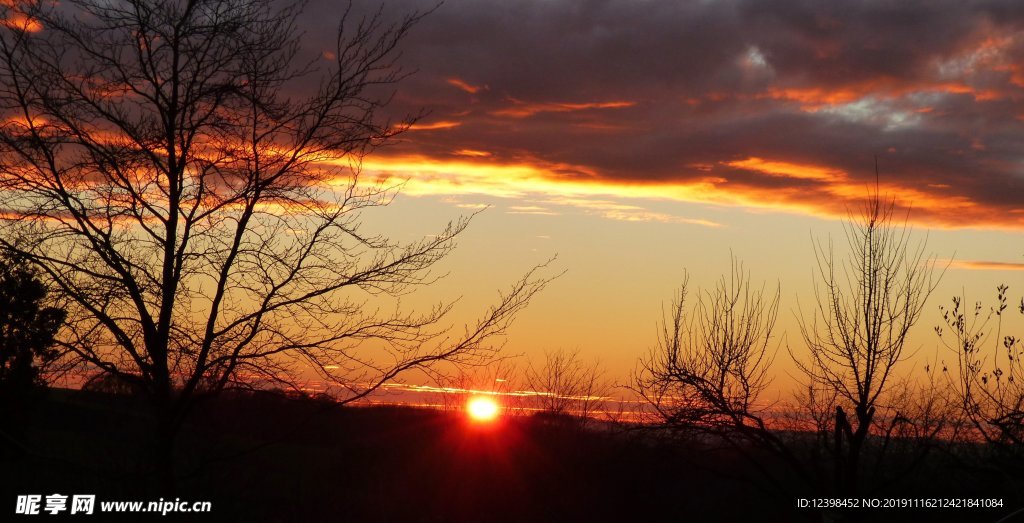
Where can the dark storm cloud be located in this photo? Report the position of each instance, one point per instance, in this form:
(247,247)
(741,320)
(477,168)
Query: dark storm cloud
(644,91)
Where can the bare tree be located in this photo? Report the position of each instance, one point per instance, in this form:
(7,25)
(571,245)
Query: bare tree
(989,372)
(865,307)
(190,182)
(710,369)
(566,385)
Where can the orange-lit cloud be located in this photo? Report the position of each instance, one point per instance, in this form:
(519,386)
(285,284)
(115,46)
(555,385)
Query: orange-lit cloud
(980,265)
(472,153)
(789,170)
(433,126)
(24,123)
(521,109)
(832,193)
(546,183)
(465,86)
(816,98)
(21,22)
(837,192)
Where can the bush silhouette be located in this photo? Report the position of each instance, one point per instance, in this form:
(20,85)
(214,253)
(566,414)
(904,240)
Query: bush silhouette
(27,330)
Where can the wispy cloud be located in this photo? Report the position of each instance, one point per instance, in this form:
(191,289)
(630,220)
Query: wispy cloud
(433,126)
(755,183)
(531,209)
(543,184)
(406,387)
(789,169)
(521,109)
(627,212)
(982,265)
(465,86)
(471,153)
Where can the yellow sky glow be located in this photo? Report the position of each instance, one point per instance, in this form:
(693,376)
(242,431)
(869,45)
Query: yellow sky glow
(833,194)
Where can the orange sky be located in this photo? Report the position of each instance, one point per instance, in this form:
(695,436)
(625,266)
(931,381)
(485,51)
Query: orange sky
(634,144)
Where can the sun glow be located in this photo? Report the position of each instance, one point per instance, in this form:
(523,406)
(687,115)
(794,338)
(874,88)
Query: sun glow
(482,408)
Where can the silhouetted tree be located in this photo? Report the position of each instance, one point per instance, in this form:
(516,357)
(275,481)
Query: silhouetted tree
(866,304)
(989,373)
(28,327)
(190,182)
(113,384)
(567,386)
(708,373)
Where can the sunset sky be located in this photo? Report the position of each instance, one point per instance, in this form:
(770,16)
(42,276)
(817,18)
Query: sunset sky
(638,139)
(472,221)
(636,142)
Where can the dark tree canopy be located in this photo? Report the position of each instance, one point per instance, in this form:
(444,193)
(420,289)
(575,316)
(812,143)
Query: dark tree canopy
(27,329)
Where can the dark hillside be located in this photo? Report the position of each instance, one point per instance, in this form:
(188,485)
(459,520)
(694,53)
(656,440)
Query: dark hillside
(271,458)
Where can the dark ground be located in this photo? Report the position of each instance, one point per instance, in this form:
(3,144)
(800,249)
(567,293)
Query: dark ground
(270,458)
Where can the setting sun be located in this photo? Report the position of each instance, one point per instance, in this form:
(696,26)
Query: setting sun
(482,409)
